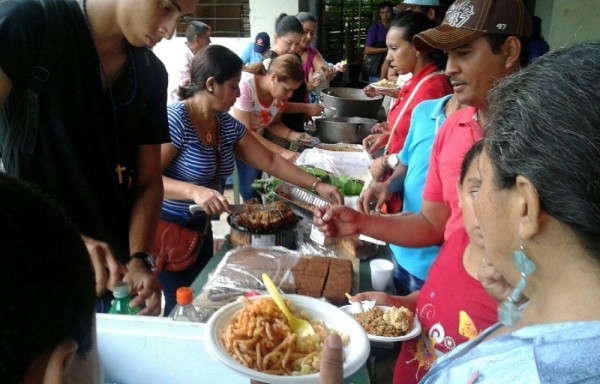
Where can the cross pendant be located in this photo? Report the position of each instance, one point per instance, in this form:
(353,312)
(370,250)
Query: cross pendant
(119,171)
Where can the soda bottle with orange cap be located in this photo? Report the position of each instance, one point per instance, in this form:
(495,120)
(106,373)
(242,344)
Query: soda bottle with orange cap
(185,310)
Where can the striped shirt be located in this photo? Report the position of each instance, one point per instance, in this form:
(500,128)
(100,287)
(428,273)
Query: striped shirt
(195,162)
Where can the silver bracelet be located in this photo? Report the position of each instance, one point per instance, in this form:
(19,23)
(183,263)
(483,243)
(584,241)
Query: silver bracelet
(314,185)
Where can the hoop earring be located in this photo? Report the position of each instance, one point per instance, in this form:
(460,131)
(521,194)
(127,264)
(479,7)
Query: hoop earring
(508,312)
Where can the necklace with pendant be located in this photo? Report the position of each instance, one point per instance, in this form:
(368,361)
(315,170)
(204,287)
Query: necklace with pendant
(119,169)
(208,137)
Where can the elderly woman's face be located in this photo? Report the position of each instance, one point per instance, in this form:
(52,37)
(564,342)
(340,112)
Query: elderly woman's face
(497,220)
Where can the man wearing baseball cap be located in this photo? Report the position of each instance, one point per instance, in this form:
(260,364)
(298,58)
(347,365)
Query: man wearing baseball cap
(253,53)
(486,40)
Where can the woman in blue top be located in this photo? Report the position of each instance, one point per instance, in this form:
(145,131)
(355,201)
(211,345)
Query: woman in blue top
(204,140)
(411,265)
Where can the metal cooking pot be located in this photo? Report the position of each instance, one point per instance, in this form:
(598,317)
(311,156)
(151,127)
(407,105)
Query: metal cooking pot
(350,130)
(351,102)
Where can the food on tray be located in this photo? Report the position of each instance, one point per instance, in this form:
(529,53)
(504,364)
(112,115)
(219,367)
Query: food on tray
(319,173)
(265,186)
(391,323)
(359,248)
(313,276)
(259,337)
(340,147)
(385,83)
(347,185)
(259,217)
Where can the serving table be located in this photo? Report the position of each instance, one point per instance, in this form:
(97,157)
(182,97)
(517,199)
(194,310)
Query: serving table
(381,354)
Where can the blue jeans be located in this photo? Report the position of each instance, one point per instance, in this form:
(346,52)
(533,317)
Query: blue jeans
(170,281)
(404,281)
(246,175)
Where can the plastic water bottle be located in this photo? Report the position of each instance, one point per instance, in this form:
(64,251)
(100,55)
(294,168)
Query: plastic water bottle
(120,305)
(185,310)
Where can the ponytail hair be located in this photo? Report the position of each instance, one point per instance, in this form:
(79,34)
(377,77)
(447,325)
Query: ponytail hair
(213,61)
(286,24)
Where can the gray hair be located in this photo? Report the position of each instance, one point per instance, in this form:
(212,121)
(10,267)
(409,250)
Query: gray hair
(195,28)
(544,124)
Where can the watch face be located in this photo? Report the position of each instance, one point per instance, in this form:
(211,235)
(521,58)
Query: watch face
(393,161)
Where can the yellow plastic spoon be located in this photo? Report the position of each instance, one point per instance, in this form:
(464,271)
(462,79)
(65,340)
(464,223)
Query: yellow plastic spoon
(300,327)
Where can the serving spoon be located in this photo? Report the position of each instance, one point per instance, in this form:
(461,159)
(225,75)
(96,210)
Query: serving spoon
(299,326)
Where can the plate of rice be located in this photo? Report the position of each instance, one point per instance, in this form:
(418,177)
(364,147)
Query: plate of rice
(386,324)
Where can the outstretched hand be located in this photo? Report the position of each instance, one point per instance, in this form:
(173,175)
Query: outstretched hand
(375,142)
(330,193)
(211,201)
(370,91)
(337,220)
(376,193)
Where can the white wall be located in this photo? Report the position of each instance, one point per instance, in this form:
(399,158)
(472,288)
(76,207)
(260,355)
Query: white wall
(566,22)
(262,19)
(264,12)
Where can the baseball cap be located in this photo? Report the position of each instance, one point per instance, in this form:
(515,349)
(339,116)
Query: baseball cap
(262,42)
(467,20)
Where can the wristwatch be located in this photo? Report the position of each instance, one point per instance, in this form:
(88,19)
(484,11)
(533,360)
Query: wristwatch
(390,161)
(146,258)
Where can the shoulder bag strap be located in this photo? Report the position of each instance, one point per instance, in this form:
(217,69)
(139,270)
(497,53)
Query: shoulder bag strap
(410,97)
(52,45)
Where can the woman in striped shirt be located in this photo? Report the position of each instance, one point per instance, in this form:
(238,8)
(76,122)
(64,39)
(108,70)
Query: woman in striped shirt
(204,140)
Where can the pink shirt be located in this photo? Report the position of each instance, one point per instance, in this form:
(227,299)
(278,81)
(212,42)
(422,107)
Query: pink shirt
(433,88)
(262,115)
(452,308)
(307,66)
(456,136)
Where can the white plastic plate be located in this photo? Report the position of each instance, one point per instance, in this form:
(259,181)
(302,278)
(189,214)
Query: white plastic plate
(414,332)
(355,353)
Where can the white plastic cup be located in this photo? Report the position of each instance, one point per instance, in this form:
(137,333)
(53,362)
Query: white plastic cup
(381,272)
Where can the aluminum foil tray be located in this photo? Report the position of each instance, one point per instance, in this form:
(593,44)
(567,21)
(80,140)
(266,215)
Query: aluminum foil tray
(341,147)
(299,198)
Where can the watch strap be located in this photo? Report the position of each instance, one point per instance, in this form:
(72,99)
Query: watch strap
(146,258)
(384,162)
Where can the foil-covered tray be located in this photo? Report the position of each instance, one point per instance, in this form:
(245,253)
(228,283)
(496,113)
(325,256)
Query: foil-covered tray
(341,147)
(299,198)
